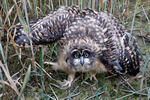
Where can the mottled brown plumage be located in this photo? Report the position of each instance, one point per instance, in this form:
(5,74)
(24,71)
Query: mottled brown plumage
(91,42)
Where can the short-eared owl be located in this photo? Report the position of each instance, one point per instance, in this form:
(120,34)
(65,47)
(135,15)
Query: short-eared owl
(91,41)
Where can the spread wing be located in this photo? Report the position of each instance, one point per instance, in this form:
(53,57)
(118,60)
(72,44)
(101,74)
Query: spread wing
(47,29)
(121,54)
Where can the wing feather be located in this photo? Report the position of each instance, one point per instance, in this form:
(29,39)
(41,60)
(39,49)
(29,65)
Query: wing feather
(47,29)
(121,55)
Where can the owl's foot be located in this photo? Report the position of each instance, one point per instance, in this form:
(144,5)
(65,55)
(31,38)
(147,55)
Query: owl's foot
(93,76)
(67,83)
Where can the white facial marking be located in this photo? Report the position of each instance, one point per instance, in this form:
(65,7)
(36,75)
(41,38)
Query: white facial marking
(76,61)
(86,61)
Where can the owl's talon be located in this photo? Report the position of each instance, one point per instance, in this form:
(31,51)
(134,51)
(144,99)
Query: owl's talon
(66,83)
(93,77)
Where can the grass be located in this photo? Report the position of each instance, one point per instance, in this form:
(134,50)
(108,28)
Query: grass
(23,75)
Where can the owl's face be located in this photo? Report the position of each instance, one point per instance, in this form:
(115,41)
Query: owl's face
(81,60)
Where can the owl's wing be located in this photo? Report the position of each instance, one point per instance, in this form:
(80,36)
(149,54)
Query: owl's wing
(120,55)
(47,29)
(122,51)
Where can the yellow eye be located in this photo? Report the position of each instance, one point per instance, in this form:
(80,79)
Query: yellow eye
(76,56)
(86,55)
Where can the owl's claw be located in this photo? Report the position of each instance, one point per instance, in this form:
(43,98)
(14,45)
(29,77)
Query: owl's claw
(93,77)
(66,83)
(63,85)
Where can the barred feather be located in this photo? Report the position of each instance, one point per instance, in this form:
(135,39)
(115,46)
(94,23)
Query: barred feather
(99,31)
(49,28)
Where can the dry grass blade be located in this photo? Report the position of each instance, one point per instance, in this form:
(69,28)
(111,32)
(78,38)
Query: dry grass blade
(2,53)
(136,92)
(5,3)
(93,4)
(144,70)
(44,71)
(102,5)
(146,15)
(69,97)
(10,80)
(26,79)
(8,14)
(126,82)
(143,94)
(54,92)
(21,18)
(148,96)
(29,30)
(109,6)
(92,97)
(133,20)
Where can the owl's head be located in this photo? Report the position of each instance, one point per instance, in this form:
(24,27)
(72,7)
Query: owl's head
(82,47)
(81,56)
(81,59)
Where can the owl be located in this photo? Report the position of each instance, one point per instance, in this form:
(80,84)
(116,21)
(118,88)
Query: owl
(91,42)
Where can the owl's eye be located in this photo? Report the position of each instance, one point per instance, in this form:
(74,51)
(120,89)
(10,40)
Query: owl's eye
(86,55)
(76,54)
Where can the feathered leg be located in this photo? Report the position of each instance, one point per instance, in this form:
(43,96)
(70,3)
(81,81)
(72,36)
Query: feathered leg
(66,83)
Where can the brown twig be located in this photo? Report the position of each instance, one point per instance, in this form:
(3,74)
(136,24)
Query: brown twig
(128,91)
(102,5)
(125,80)
(91,98)
(108,6)
(53,92)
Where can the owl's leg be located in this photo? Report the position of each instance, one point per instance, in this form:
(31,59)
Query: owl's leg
(93,75)
(67,83)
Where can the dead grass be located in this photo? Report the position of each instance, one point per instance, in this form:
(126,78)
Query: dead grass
(23,75)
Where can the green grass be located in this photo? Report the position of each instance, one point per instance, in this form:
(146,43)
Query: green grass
(23,75)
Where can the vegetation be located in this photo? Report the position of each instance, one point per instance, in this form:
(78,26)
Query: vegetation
(24,76)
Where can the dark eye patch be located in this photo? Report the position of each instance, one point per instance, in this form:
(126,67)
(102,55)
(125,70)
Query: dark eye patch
(76,54)
(86,54)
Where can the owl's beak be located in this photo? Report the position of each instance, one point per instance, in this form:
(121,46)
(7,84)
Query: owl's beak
(82,60)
